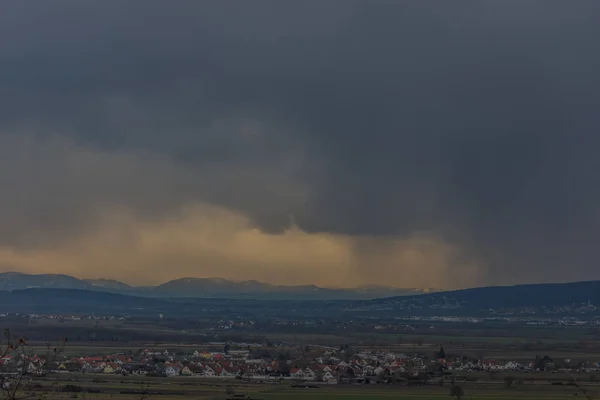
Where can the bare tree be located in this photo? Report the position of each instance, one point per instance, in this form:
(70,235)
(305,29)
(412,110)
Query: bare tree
(508,381)
(18,383)
(457,392)
(145,392)
(582,391)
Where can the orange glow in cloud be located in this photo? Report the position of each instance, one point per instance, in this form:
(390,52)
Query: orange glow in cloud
(118,214)
(208,241)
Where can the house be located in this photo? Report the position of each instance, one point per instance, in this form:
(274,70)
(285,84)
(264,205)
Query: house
(329,378)
(109,369)
(31,367)
(368,370)
(172,371)
(141,372)
(38,360)
(203,354)
(228,372)
(35,369)
(309,373)
(6,360)
(468,366)
(86,367)
(186,371)
(121,359)
(296,373)
(151,352)
(255,372)
(512,366)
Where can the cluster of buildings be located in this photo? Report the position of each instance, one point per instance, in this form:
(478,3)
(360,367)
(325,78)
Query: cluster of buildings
(63,317)
(329,366)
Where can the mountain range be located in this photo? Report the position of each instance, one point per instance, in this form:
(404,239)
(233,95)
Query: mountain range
(541,299)
(201,288)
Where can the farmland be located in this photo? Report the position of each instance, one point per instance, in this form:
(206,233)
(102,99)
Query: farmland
(191,388)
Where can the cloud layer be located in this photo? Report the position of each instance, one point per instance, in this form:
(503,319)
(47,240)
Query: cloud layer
(336,142)
(146,219)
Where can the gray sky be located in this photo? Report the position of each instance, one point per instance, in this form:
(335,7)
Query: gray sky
(344,142)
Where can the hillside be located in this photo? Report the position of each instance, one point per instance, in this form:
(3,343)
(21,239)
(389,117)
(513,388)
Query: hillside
(539,296)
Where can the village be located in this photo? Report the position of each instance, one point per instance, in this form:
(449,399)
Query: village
(262,364)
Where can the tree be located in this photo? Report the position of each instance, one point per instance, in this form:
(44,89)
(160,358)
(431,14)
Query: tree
(349,354)
(442,353)
(543,363)
(581,390)
(508,381)
(480,355)
(457,392)
(284,368)
(144,392)
(20,384)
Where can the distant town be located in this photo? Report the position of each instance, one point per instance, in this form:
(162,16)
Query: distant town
(275,361)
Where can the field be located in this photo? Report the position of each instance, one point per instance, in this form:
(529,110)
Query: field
(173,391)
(179,388)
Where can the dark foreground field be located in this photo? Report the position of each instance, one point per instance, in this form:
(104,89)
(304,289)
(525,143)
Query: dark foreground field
(118,387)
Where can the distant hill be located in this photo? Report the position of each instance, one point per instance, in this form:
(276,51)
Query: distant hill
(389,291)
(17,280)
(563,298)
(497,297)
(201,288)
(48,300)
(67,301)
(109,284)
(537,295)
(222,288)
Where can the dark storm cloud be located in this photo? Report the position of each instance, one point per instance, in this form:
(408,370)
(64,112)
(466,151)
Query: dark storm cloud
(474,120)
